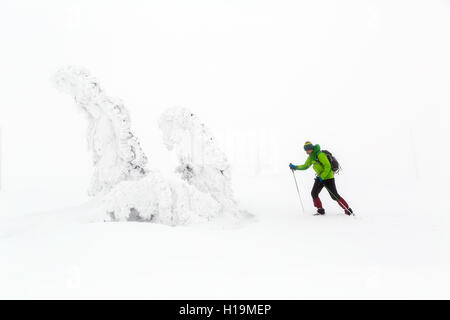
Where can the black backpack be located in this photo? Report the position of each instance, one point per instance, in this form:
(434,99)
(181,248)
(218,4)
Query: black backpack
(335,167)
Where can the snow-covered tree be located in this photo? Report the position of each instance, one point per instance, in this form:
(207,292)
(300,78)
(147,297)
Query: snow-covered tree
(130,191)
(116,152)
(201,162)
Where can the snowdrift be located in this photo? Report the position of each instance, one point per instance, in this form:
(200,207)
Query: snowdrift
(160,200)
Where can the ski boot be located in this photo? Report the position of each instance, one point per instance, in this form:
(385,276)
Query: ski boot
(349,211)
(320,212)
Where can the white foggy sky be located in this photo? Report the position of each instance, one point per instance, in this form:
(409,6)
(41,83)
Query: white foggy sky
(359,77)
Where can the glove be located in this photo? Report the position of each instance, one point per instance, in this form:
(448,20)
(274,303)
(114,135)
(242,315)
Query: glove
(292,167)
(319,178)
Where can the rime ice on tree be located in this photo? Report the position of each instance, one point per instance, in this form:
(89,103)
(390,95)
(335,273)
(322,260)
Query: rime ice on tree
(204,193)
(117,155)
(202,163)
(130,191)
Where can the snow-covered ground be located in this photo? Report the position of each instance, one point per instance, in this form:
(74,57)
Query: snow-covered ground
(380,253)
(367,80)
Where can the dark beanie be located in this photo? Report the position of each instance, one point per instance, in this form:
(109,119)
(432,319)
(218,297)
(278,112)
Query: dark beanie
(308,146)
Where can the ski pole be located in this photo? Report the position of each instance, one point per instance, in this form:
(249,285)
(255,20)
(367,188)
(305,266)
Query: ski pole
(342,205)
(298,192)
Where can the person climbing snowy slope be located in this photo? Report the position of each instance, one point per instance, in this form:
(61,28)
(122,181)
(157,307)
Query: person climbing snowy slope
(325,177)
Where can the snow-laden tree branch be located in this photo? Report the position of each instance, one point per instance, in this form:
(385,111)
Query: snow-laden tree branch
(201,162)
(116,152)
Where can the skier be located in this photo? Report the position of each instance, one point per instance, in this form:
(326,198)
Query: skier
(324,178)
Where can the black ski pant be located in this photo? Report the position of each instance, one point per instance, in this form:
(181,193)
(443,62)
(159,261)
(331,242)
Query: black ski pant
(331,188)
(330,185)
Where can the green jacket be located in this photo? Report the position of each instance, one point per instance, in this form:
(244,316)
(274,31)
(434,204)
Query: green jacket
(321,167)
